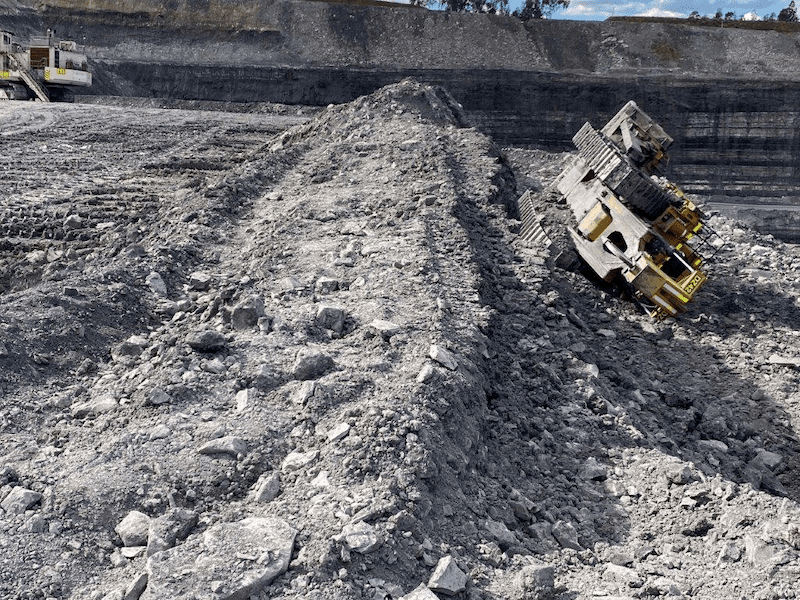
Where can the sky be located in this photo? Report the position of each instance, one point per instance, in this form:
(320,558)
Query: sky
(598,10)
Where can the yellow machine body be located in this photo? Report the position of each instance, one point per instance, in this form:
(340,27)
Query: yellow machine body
(628,223)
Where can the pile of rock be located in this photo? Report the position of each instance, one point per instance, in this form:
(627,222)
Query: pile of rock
(355,382)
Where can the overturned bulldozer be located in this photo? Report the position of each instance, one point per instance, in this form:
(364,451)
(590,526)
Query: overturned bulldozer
(626,221)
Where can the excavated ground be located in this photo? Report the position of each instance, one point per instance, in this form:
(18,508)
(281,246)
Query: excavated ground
(383,367)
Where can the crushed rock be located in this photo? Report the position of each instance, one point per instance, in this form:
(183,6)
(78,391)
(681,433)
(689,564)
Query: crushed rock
(553,424)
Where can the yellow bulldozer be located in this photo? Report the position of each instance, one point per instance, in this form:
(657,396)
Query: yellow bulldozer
(627,221)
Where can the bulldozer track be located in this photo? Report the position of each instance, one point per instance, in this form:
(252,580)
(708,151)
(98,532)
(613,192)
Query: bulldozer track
(532,233)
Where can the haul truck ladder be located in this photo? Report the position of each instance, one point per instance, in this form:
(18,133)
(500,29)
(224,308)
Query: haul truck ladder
(29,79)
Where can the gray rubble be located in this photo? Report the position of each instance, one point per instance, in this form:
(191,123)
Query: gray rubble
(419,385)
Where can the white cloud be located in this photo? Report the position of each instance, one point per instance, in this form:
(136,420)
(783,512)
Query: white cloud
(601,10)
(582,9)
(660,12)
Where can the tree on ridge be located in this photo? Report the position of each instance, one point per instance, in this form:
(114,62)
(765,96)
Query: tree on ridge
(538,9)
(478,6)
(788,14)
(532,9)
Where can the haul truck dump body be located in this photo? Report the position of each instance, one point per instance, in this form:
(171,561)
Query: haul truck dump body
(627,222)
(47,68)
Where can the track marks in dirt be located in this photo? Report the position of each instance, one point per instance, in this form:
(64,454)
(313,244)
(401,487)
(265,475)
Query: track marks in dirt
(114,168)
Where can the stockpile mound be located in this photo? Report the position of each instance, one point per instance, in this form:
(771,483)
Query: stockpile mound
(329,369)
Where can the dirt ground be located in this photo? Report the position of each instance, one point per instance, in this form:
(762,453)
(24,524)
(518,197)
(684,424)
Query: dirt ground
(271,354)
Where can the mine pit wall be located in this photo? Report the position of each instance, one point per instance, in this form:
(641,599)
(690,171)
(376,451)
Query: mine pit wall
(741,152)
(729,98)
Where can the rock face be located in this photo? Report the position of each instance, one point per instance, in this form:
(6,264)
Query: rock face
(772,215)
(234,560)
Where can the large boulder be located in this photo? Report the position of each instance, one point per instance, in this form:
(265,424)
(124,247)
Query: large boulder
(206,341)
(134,528)
(20,500)
(311,364)
(232,561)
